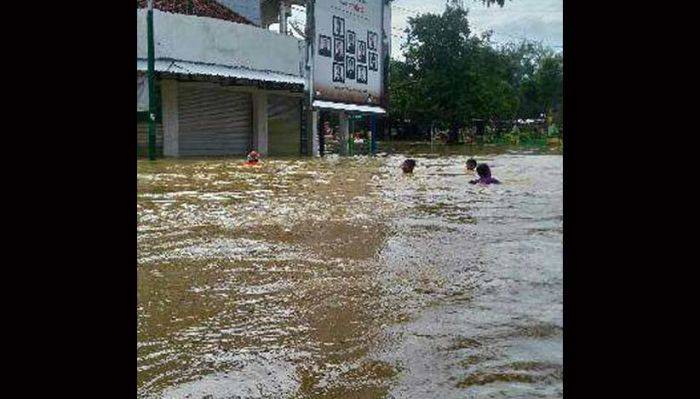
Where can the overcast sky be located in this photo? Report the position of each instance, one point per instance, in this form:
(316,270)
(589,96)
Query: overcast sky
(540,20)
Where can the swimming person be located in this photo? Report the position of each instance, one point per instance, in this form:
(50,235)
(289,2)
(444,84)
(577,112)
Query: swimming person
(408,165)
(484,175)
(253,158)
(471,164)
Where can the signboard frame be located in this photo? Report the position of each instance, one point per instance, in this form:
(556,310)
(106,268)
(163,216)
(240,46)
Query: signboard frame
(353,67)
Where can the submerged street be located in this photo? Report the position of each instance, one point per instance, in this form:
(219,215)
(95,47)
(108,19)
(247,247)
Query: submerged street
(343,278)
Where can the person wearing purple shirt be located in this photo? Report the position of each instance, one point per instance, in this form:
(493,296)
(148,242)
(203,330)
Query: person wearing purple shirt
(484,175)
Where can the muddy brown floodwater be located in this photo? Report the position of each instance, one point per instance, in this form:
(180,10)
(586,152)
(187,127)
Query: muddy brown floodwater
(343,278)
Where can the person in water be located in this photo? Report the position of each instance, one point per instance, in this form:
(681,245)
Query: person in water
(408,165)
(471,164)
(253,158)
(484,175)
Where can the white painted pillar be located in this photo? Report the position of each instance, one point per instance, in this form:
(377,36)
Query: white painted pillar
(315,143)
(171,122)
(260,122)
(344,132)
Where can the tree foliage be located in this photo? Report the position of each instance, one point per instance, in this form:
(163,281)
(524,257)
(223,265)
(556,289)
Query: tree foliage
(450,76)
(537,73)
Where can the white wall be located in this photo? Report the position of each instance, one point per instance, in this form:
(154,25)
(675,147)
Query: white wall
(214,41)
(141,92)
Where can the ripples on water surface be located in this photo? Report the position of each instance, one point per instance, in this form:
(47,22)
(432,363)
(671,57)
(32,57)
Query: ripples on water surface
(343,278)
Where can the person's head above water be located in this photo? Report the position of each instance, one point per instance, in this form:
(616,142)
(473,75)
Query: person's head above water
(253,156)
(483,170)
(484,175)
(471,163)
(408,165)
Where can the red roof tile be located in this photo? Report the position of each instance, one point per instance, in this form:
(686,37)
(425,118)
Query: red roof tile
(202,8)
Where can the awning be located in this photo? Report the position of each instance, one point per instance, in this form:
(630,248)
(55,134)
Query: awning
(349,107)
(192,68)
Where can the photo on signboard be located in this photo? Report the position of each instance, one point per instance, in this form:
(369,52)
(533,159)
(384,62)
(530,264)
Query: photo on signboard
(339,49)
(350,69)
(324,45)
(372,61)
(338,26)
(361,52)
(362,74)
(351,42)
(338,72)
(372,40)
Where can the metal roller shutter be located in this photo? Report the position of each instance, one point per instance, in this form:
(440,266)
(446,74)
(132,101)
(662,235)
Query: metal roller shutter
(283,125)
(214,120)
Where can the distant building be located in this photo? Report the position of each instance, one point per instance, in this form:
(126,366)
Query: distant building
(224,83)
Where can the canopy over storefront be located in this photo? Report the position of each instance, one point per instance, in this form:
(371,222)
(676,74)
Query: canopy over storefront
(199,70)
(348,107)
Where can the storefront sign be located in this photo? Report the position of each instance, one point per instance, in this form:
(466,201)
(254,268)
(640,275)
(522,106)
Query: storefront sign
(348,59)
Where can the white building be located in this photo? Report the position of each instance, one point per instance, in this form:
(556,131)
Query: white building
(224,88)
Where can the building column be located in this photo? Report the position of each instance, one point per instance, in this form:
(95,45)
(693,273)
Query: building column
(344,132)
(315,142)
(283,17)
(374,134)
(260,122)
(171,122)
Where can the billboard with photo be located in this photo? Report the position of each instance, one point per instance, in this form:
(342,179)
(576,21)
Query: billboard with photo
(349,54)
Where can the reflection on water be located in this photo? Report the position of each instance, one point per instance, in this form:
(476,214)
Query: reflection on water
(343,278)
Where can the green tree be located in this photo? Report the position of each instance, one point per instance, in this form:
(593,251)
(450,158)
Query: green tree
(549,79)
(450,77)
(453,75)
(536,73)
(402,108)
(437,46)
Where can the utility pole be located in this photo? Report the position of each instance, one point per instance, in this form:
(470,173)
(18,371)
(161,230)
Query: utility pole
(151,89)
(307,107)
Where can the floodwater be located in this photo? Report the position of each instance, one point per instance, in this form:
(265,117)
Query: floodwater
(344,278)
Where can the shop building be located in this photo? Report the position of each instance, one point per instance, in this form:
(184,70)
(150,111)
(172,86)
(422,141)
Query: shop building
(223,86)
